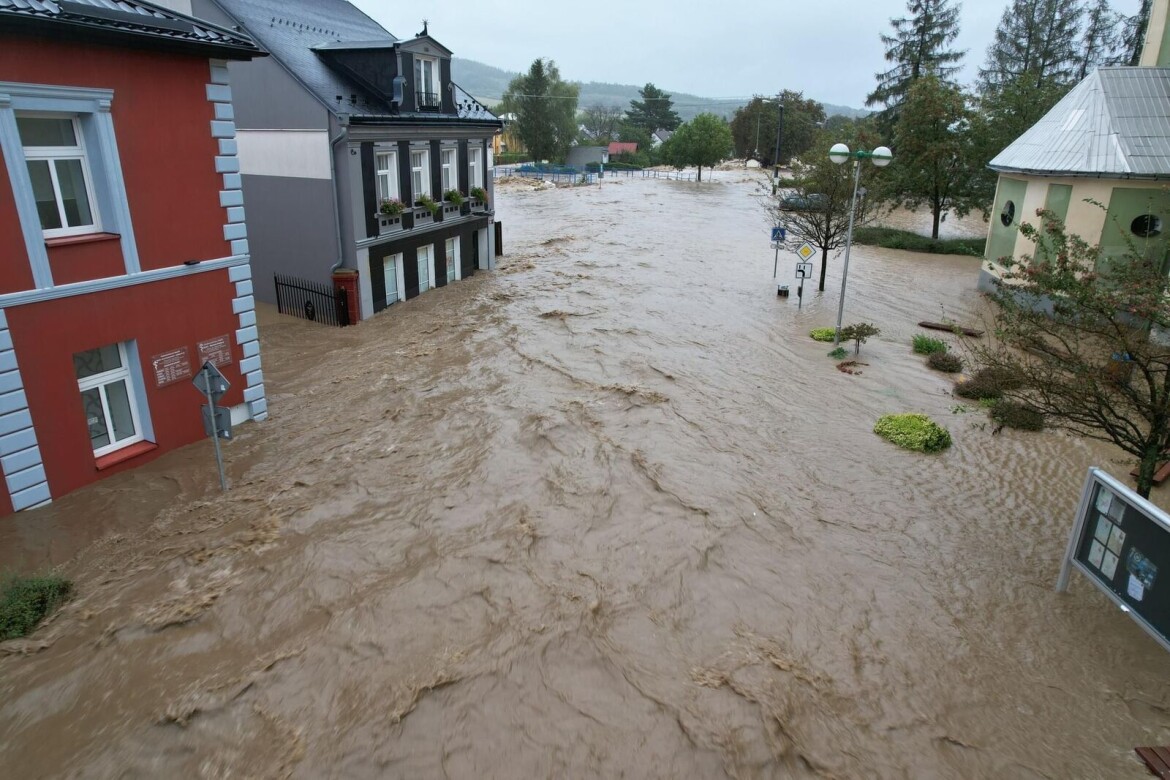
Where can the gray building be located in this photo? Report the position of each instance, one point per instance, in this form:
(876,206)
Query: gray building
(357,151)
(580,156)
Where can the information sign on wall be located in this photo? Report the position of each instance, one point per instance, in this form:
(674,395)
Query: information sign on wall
(216,351)
(170,367)
(1121,542)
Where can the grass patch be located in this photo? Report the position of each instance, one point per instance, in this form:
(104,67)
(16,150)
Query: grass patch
(822,334)
(891,238)
(1017,415)
(925,345)
(914,432)
(838,353)
(947,362)
(25,601)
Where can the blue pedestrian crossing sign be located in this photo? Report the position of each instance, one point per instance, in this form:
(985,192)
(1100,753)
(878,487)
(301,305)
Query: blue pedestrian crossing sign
(779,233)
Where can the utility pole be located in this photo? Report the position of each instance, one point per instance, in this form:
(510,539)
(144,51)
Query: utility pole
(779,129)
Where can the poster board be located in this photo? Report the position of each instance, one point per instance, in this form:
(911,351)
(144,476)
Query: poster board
(1121,543)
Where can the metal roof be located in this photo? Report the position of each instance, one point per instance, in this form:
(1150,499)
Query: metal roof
(293,31)
(1114,124)
(126,18)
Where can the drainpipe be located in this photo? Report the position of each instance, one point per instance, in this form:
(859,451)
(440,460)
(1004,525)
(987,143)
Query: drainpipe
(333,144)
(344,280)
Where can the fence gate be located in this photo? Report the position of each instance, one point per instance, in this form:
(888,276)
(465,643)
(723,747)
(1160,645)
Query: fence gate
(311,301)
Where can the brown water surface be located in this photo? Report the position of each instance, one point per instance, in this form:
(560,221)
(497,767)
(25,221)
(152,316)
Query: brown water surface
(606,512)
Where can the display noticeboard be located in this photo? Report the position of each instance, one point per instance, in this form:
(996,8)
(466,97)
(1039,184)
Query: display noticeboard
(1121,542)
(217,351)
(171,367)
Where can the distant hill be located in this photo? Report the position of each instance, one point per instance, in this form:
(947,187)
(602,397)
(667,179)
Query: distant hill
(488,84)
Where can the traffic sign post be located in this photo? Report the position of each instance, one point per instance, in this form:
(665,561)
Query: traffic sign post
(217,422)
(803,271)
(778,236)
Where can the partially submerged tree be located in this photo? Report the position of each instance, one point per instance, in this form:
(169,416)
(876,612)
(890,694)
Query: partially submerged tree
(546,110)
(705,140)
(753,127)
(1084,336)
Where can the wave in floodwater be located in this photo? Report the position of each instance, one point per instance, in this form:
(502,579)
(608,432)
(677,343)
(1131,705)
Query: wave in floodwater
(605,512)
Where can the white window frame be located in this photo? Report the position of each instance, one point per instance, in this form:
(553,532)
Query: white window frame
(449,160)
(474,169)
(99,382)
(52,154)
(452,248)
(420,175)
(430,266)
(387,176)
(390,266)
(426,77)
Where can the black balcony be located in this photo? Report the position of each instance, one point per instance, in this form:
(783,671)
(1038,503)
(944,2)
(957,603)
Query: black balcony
(428,101)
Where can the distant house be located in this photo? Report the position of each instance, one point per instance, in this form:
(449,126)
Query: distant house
(622,147)
(361,158)
(508,141)
(1106,142)
(122,232)
(659,137)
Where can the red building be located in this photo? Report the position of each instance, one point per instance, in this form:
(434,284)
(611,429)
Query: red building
(123,253)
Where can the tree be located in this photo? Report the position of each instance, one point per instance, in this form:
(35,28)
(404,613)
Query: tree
(546,110)
(601,123)
(935,152)
(1095,365)
(654,111)
(828,189)
(705,140)
(1035,37)
(753,128)
(1133,35)
(920,45)
(1101,40)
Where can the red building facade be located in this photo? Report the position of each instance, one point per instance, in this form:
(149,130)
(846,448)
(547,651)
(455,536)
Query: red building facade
(124,250)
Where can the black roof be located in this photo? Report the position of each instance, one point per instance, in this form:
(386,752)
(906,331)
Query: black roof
(126,21)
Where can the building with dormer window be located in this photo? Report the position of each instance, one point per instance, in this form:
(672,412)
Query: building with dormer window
(361,159)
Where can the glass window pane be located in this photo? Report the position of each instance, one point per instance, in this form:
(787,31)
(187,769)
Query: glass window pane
(43,131)
(42,182)
(95,361)
(95,417)
(74,197)
(118,398)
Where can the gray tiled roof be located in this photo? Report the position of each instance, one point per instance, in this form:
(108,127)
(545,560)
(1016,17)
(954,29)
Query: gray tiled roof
(1115,123)
(294,30)
(126,17)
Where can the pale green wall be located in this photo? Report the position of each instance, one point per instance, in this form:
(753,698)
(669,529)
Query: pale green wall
(1125,205)
(1001,239)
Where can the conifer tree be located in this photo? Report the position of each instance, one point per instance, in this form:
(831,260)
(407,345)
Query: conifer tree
(1039,38)
(1101,39)
(920,45)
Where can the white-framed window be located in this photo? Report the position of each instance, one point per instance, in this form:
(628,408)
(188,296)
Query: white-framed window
(420,172)
(108,398)
(474,166)
(424,268)
(452,259)
(448,159)
(386,174)
(426,83)
(390,275)
(62,184)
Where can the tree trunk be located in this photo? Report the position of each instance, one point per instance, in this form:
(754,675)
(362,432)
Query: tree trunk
(700,173)
(1146,470)
(824,265)
(936,212)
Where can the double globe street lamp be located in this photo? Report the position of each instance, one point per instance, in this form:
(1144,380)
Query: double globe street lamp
(880,157)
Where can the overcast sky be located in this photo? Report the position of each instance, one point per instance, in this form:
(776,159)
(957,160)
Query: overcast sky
(828,50)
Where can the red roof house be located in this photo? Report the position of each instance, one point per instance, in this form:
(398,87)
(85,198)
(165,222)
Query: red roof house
(622,147)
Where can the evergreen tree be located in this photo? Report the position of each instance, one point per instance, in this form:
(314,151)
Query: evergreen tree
(1134,35)
(1038,38)
(654,111)
(546,110)
(920,45)
(1101,41)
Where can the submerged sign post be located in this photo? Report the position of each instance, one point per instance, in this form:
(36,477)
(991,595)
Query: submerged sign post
(217,422)
(1121,542)
(778,236)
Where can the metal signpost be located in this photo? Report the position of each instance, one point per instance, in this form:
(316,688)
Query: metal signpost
(803,271)
(217,422)
(778,236)
(1121,543)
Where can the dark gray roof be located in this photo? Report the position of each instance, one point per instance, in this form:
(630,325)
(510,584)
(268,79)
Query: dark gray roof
(127,19)
(293,31)
(1115,123)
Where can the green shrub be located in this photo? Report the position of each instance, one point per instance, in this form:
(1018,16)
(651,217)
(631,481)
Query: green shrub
(823,334)
(945,361)
(925,345)
(914,432)
(891,238)
(1017,415)
(859,333)
(987,383)
(838,353)
(25,601)
(454,197)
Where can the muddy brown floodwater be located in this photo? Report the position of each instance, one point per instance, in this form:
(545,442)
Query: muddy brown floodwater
(607,512)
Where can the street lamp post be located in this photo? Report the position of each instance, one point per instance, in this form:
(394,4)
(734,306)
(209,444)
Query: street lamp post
(776,157)
(880,157)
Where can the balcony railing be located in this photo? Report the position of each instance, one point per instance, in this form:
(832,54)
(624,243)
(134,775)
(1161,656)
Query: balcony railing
(428,101)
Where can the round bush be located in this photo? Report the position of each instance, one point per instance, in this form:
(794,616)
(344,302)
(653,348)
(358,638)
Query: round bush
(1017,415)
(925,345)
(823,334)
(987,383)
(914,432)
(945,361)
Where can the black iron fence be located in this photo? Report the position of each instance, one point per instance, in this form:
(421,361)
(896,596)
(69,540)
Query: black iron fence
(311,301)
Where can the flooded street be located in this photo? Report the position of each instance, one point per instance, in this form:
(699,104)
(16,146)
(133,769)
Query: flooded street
(605,512)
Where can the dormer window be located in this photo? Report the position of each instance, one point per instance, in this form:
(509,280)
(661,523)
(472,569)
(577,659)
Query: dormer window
(426,83)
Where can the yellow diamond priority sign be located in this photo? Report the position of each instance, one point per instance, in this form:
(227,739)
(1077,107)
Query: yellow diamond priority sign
(806,251)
